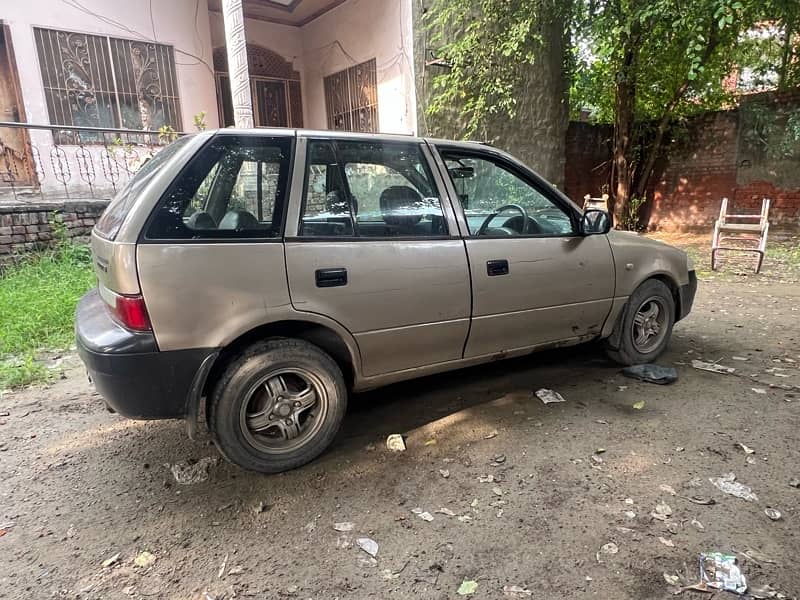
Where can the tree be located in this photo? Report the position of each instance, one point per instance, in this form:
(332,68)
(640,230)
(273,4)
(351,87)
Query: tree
(645,64)
(504,76)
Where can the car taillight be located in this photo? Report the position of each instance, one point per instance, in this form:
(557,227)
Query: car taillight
(131,312)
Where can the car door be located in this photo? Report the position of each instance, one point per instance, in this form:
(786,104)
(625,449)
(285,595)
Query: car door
(535,280)
(373,246)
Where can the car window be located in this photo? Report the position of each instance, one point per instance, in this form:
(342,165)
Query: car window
(369,189)
(497,202)
(234,187)
(109,224)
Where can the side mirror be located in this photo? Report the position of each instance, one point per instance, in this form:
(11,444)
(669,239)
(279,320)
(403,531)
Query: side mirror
(595,221)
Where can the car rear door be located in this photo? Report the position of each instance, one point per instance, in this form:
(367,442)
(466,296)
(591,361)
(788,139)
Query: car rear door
(370,244)
(535,280)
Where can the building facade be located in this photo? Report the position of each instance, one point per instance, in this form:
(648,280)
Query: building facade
(94,74)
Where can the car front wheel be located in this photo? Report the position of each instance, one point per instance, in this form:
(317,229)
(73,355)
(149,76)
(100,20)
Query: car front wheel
(277,406)
(643,332)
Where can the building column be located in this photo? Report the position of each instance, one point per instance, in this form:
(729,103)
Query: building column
(238,71)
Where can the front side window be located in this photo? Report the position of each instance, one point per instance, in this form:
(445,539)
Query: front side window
(235,187)
(370,190)
(498,202)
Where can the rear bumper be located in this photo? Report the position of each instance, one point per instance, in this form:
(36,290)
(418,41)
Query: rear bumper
(687,293)
(130,373)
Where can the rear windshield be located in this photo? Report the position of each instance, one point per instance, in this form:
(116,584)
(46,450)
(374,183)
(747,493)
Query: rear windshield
(108,225)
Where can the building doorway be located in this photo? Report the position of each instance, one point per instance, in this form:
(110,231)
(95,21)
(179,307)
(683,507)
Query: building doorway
(16,164)
(274,87)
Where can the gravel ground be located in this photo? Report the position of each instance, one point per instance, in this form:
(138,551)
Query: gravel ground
(536,492)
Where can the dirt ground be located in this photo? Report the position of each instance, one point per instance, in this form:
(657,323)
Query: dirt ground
(80,486)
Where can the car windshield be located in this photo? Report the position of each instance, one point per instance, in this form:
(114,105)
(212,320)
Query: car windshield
(109,224)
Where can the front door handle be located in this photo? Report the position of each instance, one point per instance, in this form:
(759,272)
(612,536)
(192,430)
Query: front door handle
(497,267)
(330,277)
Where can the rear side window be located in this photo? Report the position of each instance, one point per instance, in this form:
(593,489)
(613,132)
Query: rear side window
(108,225)
(235,187)
(369,189)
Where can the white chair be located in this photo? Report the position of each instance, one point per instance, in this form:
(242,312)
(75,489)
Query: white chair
(752,233)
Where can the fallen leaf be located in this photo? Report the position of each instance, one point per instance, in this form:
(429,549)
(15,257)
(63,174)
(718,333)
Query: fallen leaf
(446,511)
(745,449)
(467,587)
(144,559)
(489,436)
(497,491)
(368,545)
(672,579)
(516,591)
(757,556)
(609,548)
(638,405)
(112,560)
(444,473)
(666,542)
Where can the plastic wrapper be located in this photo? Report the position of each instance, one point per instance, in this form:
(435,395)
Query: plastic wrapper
(720,571)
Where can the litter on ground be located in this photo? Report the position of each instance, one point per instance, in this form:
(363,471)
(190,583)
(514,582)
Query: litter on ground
(651,373)
(548,396)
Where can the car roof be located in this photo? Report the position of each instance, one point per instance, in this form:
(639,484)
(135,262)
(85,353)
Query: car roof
(354,135)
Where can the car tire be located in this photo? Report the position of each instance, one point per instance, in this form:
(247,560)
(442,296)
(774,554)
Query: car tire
(651,306)
(278,405)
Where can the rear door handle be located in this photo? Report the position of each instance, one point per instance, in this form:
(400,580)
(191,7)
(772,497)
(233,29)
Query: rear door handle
(497,267)
(330,277)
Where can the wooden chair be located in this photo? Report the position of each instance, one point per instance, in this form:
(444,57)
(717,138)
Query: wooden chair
(601,203)
(747,236)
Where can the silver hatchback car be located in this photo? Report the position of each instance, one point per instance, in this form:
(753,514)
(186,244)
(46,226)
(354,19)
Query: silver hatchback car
(252,278)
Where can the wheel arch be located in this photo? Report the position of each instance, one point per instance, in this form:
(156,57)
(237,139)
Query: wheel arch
(664,277)
(340,346)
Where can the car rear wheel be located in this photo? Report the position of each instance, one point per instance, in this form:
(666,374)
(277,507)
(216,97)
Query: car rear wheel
(277,406)
(644,329)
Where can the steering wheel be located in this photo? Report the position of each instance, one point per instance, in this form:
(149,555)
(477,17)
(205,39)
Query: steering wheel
(497,211)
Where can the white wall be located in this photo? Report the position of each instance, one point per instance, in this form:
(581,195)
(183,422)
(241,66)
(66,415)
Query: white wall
(354,32)
(174,23)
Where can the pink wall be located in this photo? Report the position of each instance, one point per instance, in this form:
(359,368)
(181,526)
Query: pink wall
(353,32)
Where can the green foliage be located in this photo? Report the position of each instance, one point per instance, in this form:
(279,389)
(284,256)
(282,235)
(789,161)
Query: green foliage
(630,214)
(681,54)
(200,121)
(773,131)
(486,44)
(167,134)
(38,295)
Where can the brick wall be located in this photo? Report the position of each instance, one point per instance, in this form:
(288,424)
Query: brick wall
(712,160)
(27,227)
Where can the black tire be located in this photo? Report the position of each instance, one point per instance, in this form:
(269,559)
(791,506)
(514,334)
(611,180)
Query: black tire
(242,381)
(621,346)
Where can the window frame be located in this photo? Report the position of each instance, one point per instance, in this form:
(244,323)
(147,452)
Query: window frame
(348,74)
(300,181)
(110,45)
(206,236)
(516,169)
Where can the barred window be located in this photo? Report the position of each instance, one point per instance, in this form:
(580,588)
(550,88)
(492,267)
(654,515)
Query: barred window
(99,81)
(351,98)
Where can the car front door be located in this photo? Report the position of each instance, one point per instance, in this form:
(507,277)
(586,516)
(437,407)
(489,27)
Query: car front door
(372,246)
(535,279)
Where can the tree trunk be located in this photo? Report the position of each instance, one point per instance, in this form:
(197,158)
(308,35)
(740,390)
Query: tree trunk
(624,114)
(786,53)
(537,134)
